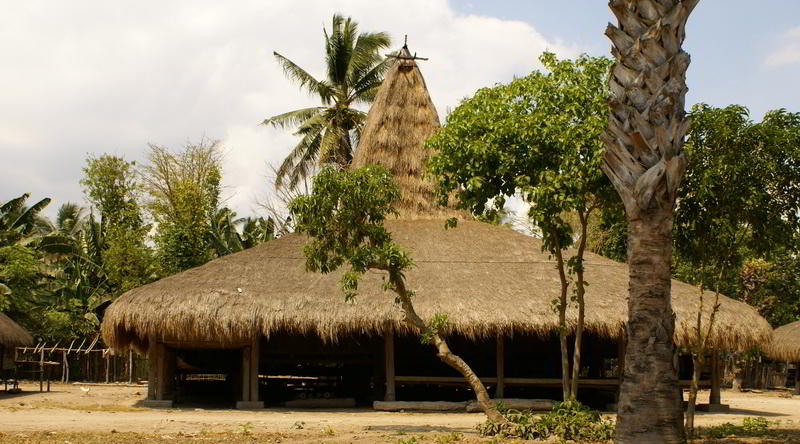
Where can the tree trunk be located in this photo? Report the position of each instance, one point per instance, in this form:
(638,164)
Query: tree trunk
(697,367)
(645,162)
(444,353)
(649,410)
(562,321)
(580,292)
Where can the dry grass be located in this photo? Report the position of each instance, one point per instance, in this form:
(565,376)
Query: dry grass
(785,344)
(488,279)
(11,334)
(399,120)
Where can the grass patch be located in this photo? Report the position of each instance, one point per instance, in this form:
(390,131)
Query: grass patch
(567,421)
(751,430)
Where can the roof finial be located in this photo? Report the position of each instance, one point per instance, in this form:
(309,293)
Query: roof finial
(402,57)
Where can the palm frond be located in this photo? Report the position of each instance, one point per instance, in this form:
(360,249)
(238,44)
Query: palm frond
(306,150)
(306,80)
(293,118)
(366,55)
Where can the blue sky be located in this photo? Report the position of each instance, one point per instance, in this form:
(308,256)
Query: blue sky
(88,77)
(730,42)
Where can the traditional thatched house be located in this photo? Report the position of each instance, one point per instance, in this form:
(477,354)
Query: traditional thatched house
(277,330)
(785,346)
(11,337)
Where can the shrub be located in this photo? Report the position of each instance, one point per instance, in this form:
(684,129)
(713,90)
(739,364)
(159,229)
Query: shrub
(568,420)
(750,427)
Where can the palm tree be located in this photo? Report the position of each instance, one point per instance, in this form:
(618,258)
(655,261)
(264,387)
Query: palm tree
(329,132)
(645,161)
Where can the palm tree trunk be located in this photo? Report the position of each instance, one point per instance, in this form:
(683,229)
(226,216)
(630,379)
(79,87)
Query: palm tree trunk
(649,408)
(645,161)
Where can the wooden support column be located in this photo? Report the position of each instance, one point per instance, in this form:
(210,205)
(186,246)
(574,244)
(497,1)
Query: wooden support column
(246,374)
(161,372)
(130,366)
(388,362)
(152,370)
(621,347)
(797,378)
(501,364)
(249,377)
(716,378)
(254,364)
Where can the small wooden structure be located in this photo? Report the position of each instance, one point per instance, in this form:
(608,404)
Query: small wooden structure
(256,325)
(11,336)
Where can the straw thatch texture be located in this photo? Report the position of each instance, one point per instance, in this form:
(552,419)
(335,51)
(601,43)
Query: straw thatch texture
(11,334)
(399,120)
(488,279)
(785,344)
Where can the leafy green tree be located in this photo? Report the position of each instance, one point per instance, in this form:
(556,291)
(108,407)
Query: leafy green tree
(740,198)
(329,133)
(344,217)
(184,190)
(118,242)
(538,138)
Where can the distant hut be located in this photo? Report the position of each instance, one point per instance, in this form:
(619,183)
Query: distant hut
(11,337)
(281,333)
(785,346)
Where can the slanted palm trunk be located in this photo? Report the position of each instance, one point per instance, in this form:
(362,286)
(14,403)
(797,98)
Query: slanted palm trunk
(645,161)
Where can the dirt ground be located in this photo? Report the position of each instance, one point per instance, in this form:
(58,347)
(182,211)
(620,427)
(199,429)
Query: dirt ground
(109,414)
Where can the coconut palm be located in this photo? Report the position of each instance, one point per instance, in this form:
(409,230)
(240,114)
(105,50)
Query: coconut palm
(329,133)
(645,161)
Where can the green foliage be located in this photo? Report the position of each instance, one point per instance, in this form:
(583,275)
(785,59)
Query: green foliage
(741,192)
(328,133)
(537,137)
(117,243)
(568,420)
(184,189)
(436,326)
(751,426)
(448,438)
(344,217)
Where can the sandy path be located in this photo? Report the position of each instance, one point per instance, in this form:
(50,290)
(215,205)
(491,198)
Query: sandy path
(107,408)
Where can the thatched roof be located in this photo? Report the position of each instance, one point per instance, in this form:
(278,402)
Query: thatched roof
(785,344)
(488,279)
(399,121)
(11,334)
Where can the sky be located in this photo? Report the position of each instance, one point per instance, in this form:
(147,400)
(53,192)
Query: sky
(91,77)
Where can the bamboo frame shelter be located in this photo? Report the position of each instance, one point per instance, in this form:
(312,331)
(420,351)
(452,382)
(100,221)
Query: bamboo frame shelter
(494,284)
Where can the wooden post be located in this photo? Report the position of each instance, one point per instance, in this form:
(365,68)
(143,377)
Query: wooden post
(130,366)
(41,369)
(246,374)
(254,362)
(108,365)
(714,397)
(388,362)
(152,370)
(797,378)
(621,346)
(501,363)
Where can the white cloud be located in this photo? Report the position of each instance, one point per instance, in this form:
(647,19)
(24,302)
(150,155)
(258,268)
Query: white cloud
(787,51)
(91,77)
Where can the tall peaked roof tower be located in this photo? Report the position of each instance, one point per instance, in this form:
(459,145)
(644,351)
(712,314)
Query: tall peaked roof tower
(400,119)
